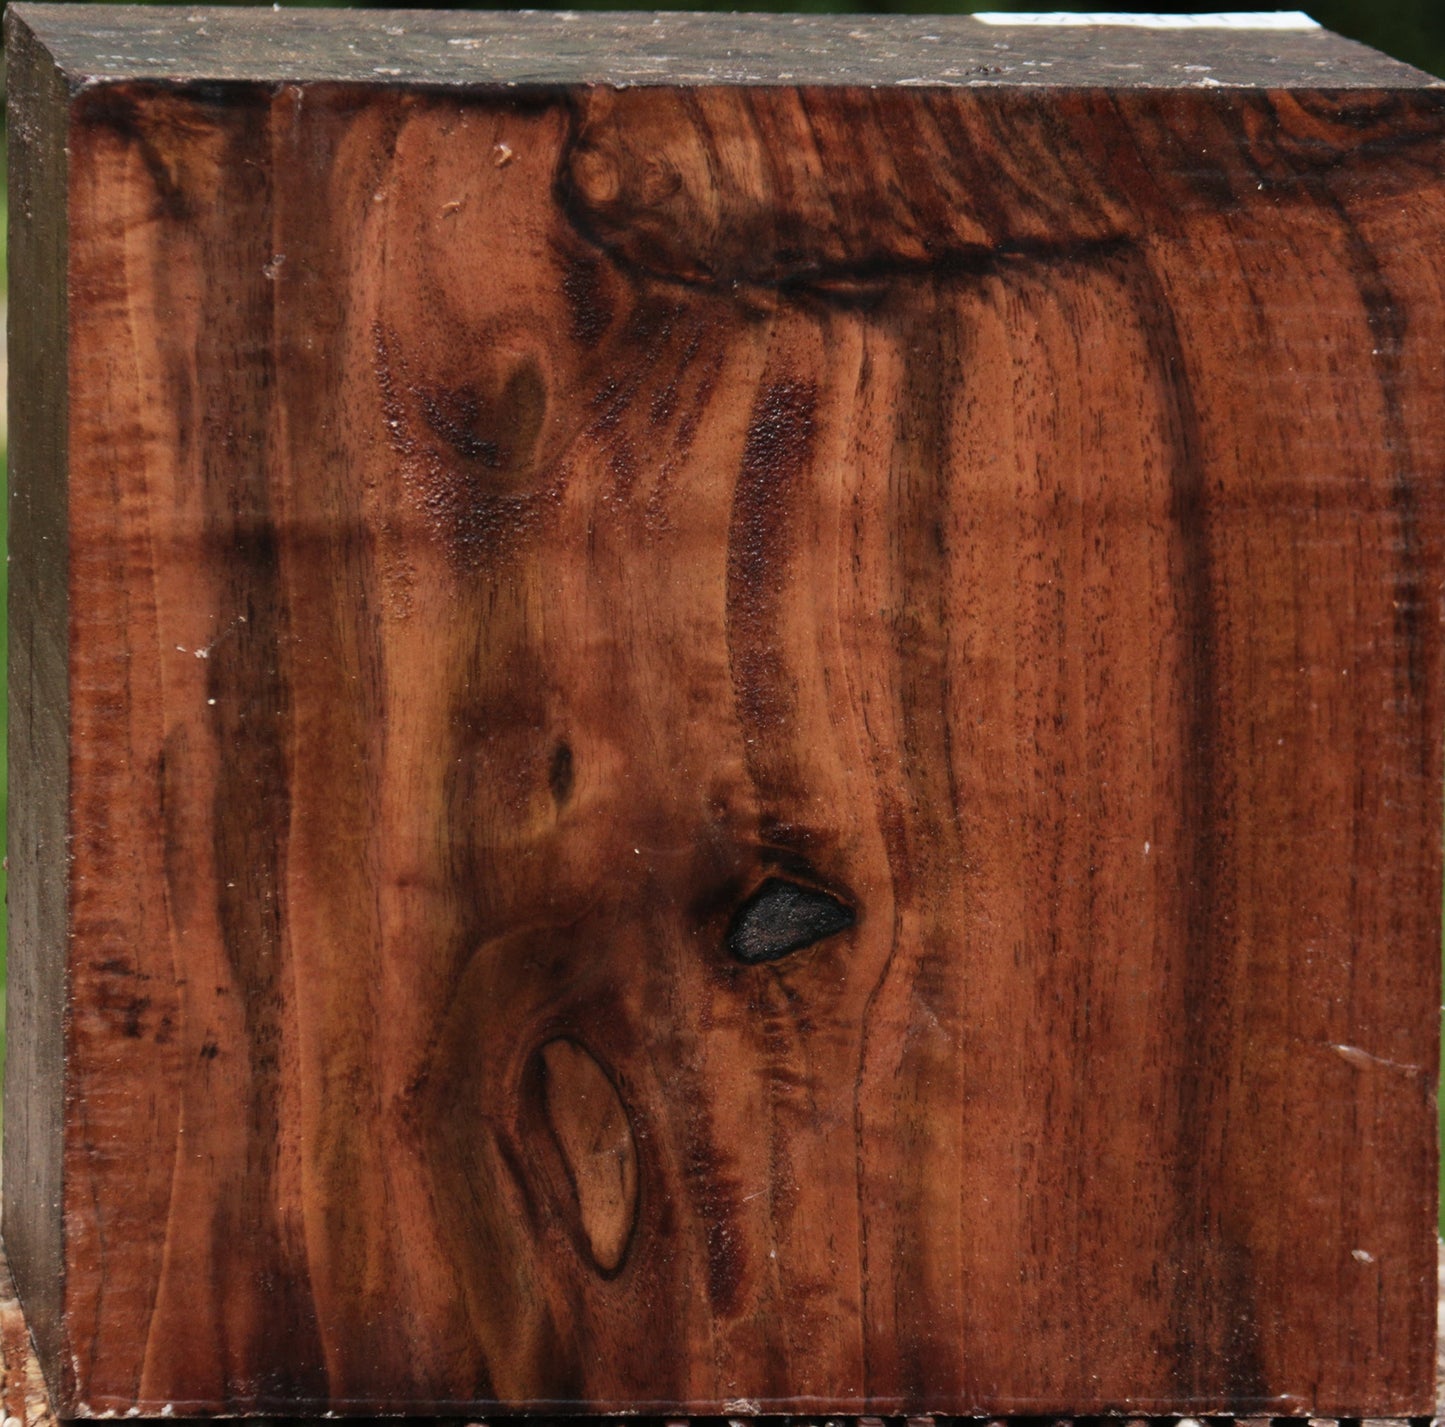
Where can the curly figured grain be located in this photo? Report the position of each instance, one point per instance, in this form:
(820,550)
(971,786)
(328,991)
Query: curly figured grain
(753,745)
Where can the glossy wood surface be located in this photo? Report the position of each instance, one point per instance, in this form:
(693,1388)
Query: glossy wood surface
(25,1397)
(753,749)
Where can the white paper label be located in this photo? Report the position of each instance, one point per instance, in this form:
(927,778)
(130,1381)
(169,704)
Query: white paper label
(1243,20)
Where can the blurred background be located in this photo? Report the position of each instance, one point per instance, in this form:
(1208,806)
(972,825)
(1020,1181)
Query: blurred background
(1411,30)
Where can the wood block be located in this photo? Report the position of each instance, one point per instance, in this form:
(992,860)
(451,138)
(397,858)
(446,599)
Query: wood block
(724,715)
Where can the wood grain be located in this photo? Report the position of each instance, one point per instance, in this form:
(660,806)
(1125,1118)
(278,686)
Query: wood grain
(38,679)
(753,748)
(26,1401)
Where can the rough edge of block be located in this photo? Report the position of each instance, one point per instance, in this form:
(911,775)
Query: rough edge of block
(471,48)
(24,1399)
(38,104)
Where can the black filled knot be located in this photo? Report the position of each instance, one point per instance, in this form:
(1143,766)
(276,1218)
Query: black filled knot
(783,917)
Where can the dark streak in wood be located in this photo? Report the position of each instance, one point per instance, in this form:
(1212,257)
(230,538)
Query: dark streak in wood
(516,559)
(560,775)
(584,282)
(761,543)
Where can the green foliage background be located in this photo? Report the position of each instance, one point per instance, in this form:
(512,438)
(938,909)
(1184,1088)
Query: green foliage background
(1411,30)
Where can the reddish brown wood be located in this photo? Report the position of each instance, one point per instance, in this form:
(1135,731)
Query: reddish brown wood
(26,1403)
(756,747)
